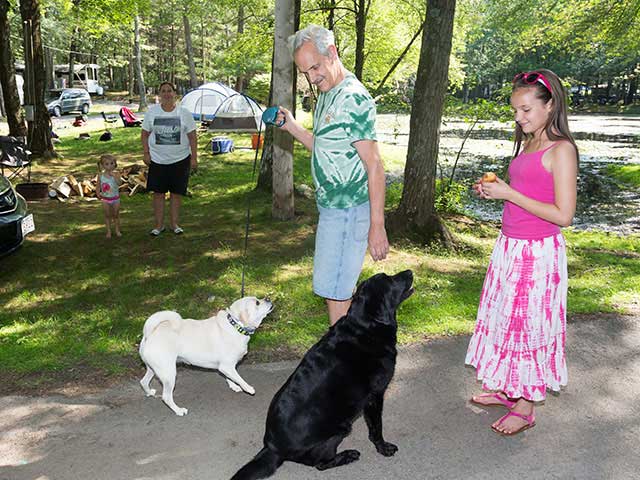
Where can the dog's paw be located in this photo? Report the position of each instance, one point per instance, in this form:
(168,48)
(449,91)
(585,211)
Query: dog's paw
(250,390)
(181,411)
(351,455)
(151,392)
(234,387)
(387,449)
(343,458)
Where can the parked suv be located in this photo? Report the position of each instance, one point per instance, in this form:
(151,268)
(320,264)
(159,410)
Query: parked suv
(15,221)
(69,100)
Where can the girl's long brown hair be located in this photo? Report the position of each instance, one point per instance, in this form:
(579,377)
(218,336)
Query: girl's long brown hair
(557,127)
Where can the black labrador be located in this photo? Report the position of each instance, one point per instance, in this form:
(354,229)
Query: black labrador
(341,377)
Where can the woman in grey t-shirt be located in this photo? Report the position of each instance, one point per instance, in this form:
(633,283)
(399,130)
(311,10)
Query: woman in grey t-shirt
(170,150)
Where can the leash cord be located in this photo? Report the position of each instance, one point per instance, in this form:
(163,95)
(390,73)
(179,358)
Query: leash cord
(248,217)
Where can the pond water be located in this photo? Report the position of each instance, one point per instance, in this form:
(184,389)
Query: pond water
(603,203)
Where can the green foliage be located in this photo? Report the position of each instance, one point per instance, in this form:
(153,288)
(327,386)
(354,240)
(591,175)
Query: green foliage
(393,102)
(586,41)
(629,174)
(258,88)
(478,109)
(247,54)
(604,271)
(450,196)
(393,196)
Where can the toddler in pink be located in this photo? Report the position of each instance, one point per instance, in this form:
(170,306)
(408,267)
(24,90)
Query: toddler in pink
(108,191)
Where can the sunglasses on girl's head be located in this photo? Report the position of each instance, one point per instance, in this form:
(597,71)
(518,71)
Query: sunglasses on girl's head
(533,77)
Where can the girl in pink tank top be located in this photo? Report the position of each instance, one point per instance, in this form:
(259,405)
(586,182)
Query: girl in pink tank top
(518,346)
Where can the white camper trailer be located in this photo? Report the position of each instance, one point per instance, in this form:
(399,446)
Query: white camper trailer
(85,76)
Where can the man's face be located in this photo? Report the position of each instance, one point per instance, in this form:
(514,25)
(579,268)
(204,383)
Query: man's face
(321,70)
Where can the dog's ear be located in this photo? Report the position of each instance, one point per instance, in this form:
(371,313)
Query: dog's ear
(244,315)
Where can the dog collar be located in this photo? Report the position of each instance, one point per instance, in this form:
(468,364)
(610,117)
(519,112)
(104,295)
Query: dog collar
(239,327)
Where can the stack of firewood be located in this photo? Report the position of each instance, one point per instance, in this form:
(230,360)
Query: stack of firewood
(133,180)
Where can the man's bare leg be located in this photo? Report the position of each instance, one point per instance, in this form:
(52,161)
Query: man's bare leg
(337,309)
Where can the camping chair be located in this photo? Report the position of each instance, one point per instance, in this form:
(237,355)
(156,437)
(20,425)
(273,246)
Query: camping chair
(108,120)
(15,158)
(129,118)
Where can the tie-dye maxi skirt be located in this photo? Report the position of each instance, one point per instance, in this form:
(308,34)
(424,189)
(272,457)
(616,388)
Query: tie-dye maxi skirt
(518,346)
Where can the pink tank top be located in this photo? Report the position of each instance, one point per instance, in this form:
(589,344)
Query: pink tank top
(528,176)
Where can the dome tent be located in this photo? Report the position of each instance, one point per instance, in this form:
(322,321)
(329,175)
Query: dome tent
(203,102)
(222,108)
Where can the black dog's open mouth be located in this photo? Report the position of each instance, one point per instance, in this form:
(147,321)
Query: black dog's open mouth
(407,293)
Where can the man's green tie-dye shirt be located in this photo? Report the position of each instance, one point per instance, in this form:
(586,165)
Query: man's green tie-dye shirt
(344,115)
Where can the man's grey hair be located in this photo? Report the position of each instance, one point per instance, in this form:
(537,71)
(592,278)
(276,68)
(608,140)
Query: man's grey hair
(319,36)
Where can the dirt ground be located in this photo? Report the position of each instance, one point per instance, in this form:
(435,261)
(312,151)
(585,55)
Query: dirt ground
(588,431)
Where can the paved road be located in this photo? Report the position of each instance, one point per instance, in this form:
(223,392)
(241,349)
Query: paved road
(590,431)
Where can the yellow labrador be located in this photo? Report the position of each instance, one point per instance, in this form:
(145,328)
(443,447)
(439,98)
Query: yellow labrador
(218,342)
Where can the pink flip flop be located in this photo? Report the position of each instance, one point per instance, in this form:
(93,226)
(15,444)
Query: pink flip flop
(496,396)
(530,419)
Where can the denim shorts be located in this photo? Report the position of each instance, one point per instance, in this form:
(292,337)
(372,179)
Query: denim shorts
(341,243)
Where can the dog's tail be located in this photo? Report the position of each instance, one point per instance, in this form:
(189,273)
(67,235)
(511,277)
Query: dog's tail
(157,318)
(264,464)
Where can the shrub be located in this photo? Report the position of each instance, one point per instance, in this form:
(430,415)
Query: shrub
(258,88)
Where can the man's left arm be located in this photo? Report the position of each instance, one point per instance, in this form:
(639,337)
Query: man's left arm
(370,156)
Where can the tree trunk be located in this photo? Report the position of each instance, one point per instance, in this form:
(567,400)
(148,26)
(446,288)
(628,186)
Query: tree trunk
(265,179)
(172,57)
(202,50)
(631,91)
(131,76)
(49,68)
(283,82)
(72,48)
(138,65)
(416,213)
(331,15)
(240,77)
(3,112)
(193,79)
(10,96)
(362,8)
(465,93)
(39,128)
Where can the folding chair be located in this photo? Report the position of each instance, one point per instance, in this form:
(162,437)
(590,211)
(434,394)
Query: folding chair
(129,118)
(108,120)
(14,157)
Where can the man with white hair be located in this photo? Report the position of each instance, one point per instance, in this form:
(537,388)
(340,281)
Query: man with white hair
(346,166)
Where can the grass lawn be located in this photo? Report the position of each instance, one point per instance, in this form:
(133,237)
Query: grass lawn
(73,301)
(629,174)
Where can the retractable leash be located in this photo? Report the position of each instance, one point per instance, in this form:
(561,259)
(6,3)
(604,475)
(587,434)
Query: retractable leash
(246,227)
(268,117)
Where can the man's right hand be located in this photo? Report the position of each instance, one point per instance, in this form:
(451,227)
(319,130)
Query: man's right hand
(285,116)
(146,158)
(292,126)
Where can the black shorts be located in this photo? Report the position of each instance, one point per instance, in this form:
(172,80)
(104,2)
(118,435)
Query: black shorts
(173,177)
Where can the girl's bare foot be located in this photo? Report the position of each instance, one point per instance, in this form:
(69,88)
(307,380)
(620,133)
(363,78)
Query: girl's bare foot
(493,399)
(118,233)
(109,234)
(510,424)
